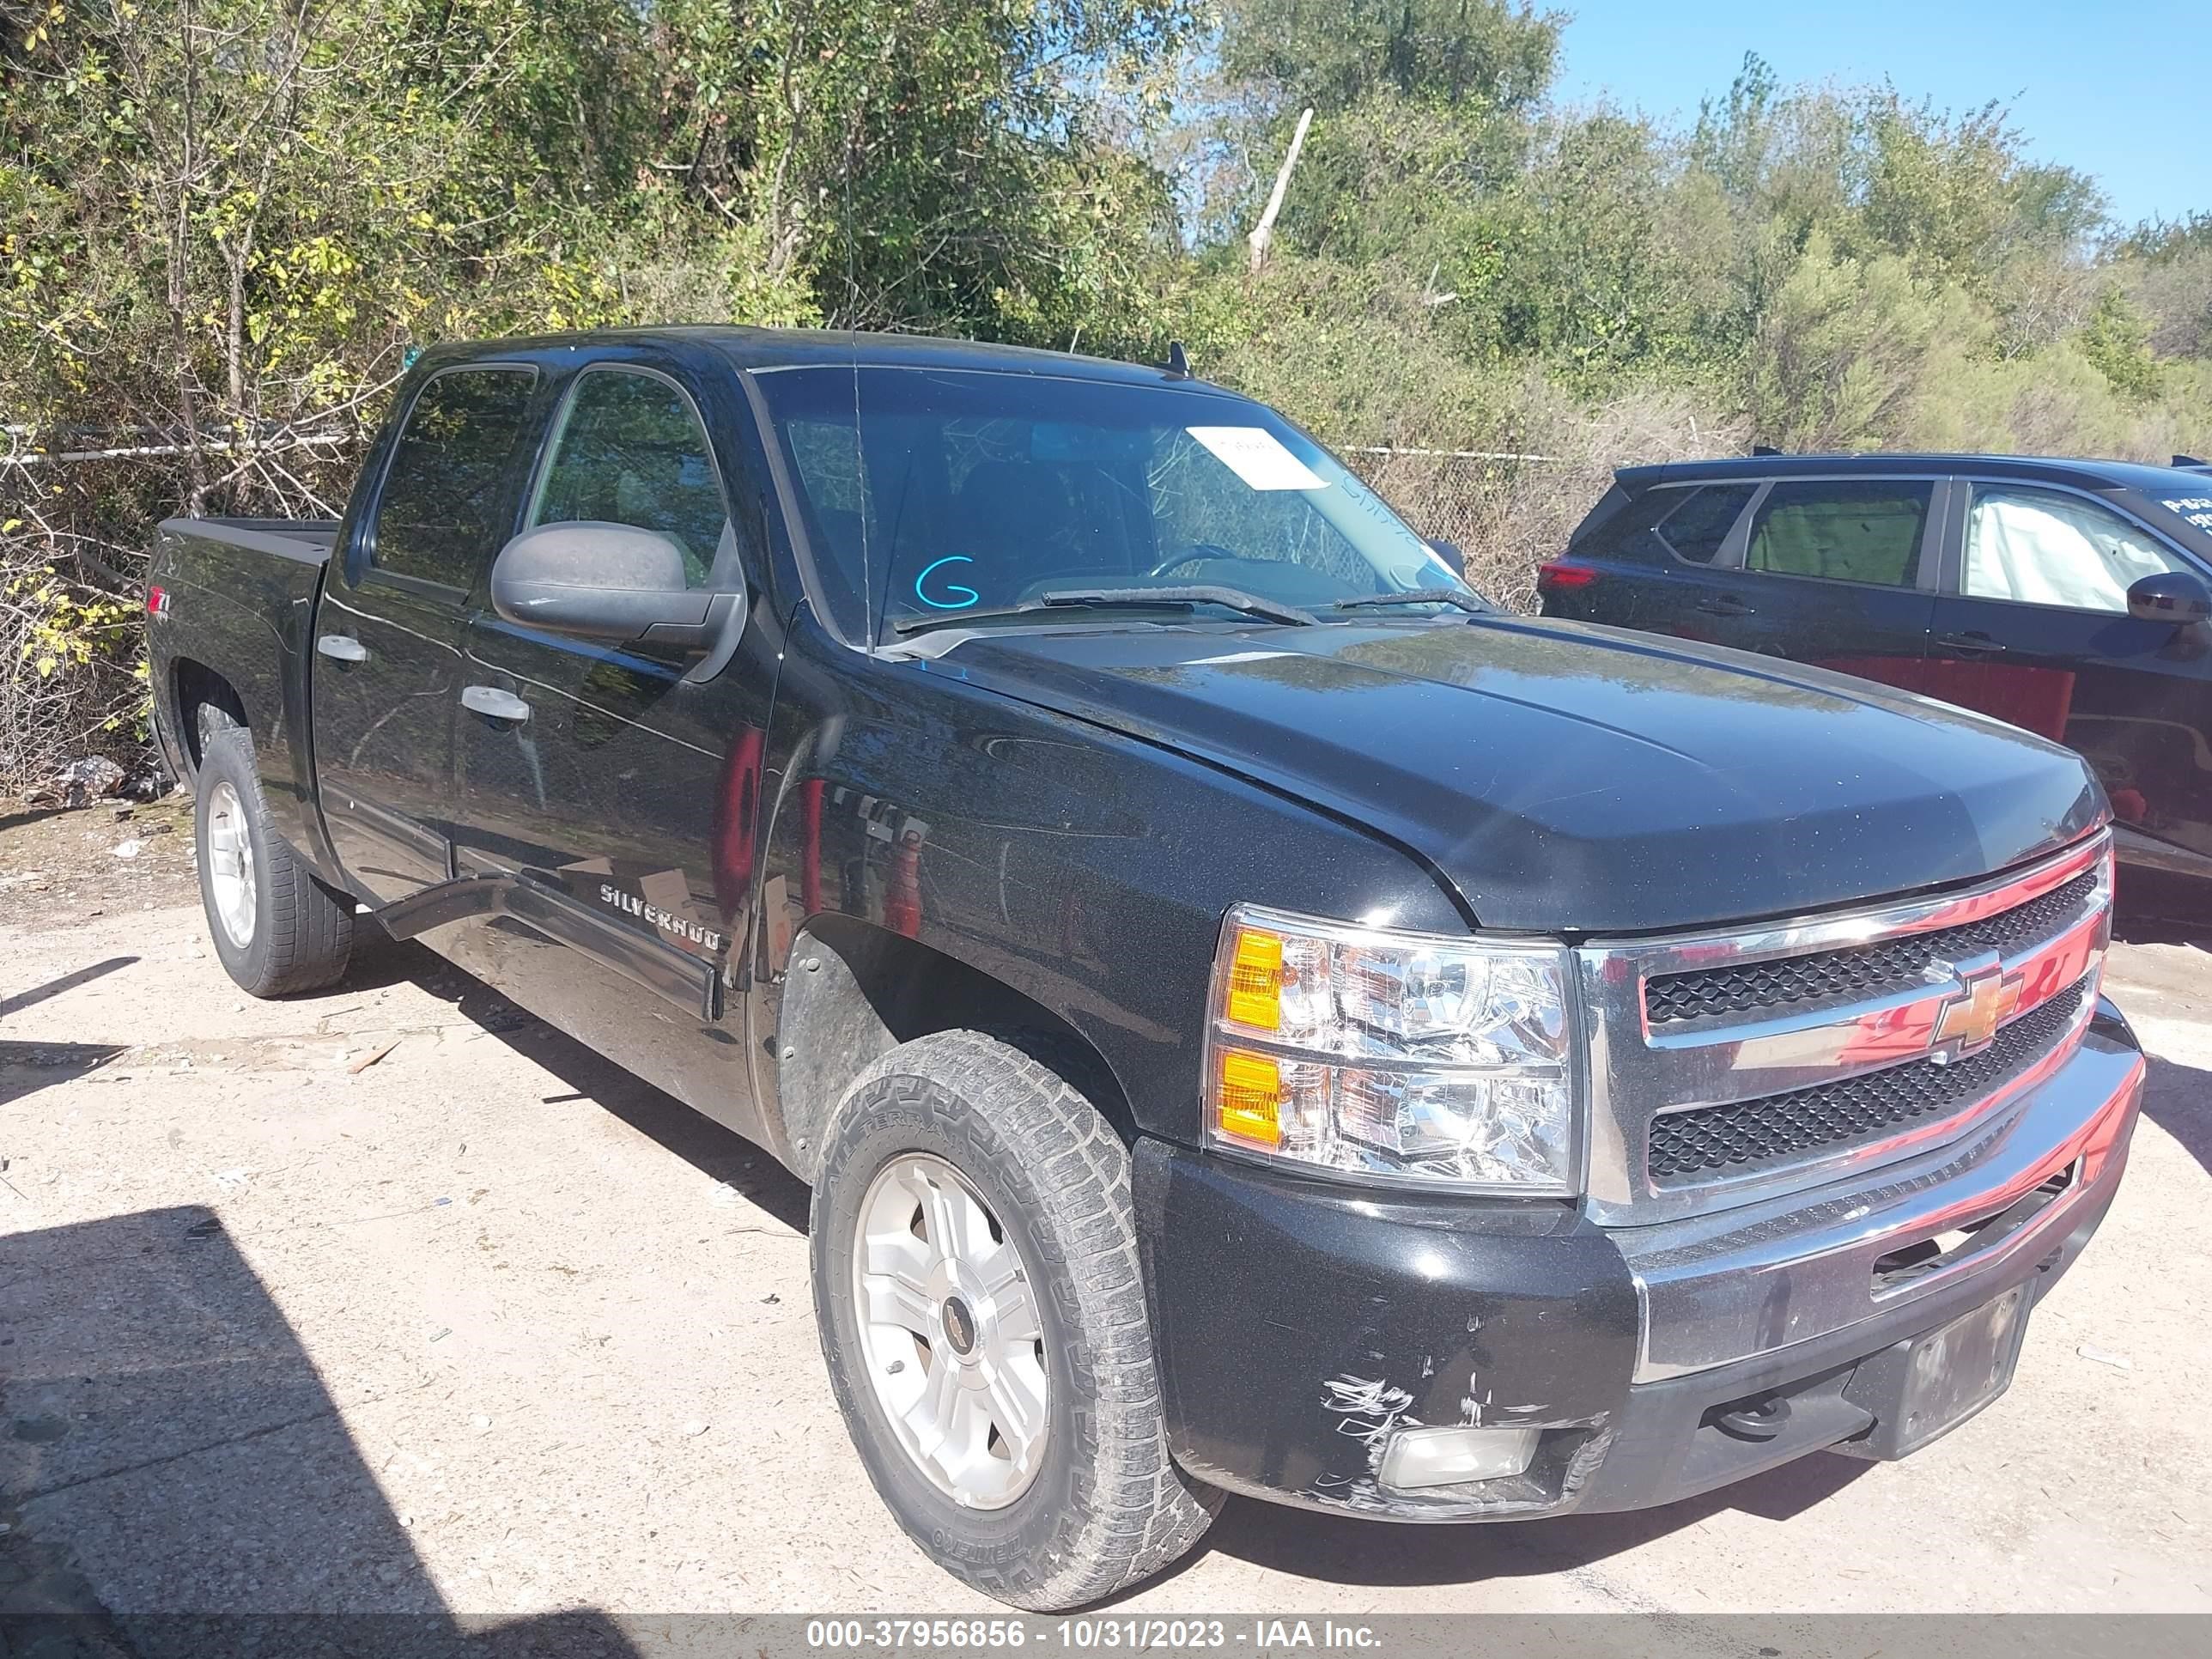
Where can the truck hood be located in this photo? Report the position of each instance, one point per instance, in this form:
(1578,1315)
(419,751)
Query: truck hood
(1564,777)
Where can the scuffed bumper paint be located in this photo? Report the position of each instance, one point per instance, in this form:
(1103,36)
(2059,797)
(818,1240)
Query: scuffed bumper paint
(1300,1323)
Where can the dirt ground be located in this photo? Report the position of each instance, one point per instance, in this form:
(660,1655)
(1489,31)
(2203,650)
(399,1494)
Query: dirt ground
(395,1298)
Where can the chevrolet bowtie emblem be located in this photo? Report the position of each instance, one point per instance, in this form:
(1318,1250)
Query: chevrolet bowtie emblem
(1971,1019)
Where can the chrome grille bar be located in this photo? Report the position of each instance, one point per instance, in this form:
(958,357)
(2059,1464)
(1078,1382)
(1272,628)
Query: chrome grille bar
(1991,955)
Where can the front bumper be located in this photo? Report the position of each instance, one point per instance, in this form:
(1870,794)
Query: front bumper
(1301,1322)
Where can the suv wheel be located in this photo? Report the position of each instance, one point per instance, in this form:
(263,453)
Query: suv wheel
(275,927)
(982,1315)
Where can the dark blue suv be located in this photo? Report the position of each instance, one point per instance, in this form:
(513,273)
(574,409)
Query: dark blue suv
(2069,598)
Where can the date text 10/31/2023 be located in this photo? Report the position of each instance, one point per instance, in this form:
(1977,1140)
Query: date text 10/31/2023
(1254,1636)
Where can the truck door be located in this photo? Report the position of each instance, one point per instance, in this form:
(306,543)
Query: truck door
(623,793)
(2033,627)
(387,633)
(1837,572)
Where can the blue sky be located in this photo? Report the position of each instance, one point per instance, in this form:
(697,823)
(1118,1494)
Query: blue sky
(2117,88)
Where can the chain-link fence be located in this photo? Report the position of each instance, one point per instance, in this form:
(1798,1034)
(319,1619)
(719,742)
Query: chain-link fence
(1507,513)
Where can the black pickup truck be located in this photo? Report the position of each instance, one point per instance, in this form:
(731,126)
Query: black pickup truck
(1253,1017)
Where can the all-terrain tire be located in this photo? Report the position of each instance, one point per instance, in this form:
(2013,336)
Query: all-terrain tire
(1106,1506)
(301,933)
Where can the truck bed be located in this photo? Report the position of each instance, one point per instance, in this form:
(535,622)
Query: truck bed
(238,601)
(308,540)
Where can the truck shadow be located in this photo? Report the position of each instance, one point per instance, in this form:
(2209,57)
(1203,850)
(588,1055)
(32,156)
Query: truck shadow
(177,1480)
(1346,1549)
(2179,1099)
(720,1153)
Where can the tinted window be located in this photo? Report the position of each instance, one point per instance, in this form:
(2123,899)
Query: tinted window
(439,514)
(627,449)
(1616,526)
(2046,547)
(1696,529)
(1848,531)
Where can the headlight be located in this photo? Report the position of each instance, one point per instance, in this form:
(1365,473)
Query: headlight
(1433,1061)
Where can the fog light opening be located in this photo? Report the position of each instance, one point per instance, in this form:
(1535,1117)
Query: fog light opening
(1447,1457)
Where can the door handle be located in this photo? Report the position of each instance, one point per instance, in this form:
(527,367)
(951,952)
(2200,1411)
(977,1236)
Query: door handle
(1726,608)
(342,647)
(493,703)
(1971,645)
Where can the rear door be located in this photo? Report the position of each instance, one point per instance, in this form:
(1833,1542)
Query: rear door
(2033,627)
(1838,572)
(619,788)
(387,633)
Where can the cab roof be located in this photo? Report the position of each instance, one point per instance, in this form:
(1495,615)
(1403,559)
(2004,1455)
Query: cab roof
(767,350)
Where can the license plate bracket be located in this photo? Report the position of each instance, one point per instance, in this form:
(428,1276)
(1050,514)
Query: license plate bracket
(1924,1387)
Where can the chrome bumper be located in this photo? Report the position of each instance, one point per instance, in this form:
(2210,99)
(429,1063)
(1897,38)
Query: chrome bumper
(1757,1279)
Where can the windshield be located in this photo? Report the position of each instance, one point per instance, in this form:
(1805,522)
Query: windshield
(973,491)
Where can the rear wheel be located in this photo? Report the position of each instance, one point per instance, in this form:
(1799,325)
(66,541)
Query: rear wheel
(982,1312)
(275,927)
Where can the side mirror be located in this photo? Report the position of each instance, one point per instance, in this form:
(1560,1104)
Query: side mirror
(1450,553)
(607,581)
(2170,596)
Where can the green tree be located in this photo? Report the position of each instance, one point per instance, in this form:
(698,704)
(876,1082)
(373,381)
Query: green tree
(1333,53)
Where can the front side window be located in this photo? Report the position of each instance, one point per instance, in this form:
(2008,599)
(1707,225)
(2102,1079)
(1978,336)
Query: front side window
(2047,547)
(628,449)
(440,513)
(1858,530)
(932,493)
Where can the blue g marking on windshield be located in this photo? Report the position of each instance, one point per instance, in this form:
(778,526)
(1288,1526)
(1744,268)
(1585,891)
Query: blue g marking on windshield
(950,587)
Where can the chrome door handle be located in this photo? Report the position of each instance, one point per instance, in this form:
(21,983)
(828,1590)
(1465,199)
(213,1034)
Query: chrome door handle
(1726,608)
(342,647)
(1971,645)
(493,703)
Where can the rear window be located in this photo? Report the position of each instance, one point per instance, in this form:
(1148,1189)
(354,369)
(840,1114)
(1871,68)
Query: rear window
(442,510)
(1865,531)
(1664,523)
(1695,530)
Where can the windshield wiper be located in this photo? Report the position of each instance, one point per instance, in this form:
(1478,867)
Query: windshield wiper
(1465,601)
(1118,598)
(1230,599)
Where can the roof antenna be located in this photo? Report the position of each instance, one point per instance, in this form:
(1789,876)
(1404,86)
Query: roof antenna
(1765,449)
(2186,460)
(1178,364)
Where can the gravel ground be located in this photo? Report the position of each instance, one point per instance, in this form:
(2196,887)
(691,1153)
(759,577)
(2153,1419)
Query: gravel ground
(396,1299)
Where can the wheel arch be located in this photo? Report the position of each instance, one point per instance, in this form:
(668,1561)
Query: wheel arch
(856,990)
(194,686)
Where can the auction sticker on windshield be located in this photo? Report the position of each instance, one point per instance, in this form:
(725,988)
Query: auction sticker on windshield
(1257,456)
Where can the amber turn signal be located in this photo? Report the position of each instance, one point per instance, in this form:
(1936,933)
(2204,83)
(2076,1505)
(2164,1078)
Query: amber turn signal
(1248,1099)
(1256,979)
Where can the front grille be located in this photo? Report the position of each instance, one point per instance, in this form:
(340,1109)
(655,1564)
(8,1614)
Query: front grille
(1867,970)
(1746,1135)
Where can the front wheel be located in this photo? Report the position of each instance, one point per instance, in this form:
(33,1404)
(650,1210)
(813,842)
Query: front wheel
(982,1312)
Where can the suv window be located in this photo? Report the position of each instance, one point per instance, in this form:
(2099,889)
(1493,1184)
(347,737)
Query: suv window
(1842,530)
(437,513)
(1696,529)
(2048,547)
(628,449)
